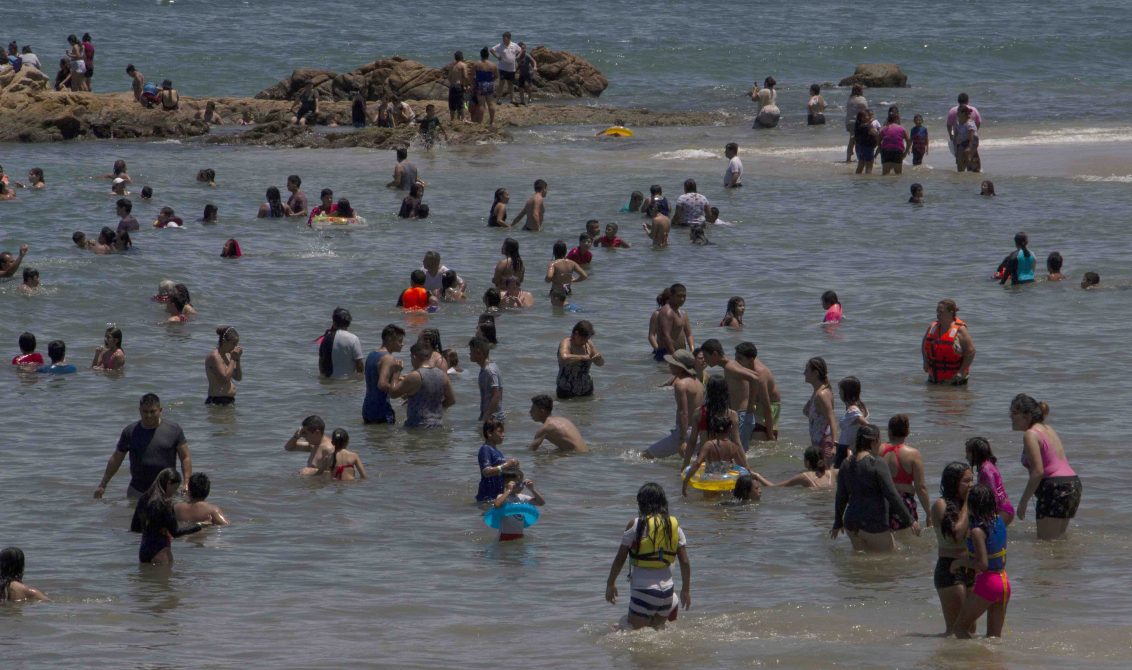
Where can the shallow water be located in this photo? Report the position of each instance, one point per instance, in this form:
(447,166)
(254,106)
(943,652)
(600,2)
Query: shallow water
(399,570)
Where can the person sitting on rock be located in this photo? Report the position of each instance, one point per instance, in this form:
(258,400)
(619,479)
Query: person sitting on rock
(307,106)
(170,99)
(403,114)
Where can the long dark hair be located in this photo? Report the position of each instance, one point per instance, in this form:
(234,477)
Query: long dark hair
(850,390)
(153,504)
(717,397)
(732,305)
(511,250)
(1021,240)
(651,501)
(982,506)
(340,319)
(274,203)
(11,569)
(949,491)
(868,436)
(340,439)
(818,365)
(1034,410)
(979,452)
(814,460)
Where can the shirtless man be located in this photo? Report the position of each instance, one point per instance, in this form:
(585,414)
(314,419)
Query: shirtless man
(298,200)
(222,367)
(689,395)
(8,264)
(458,79)
(673,330)
(657,227)
(514,297)
(197,510)
(765,392)
(311,437)
(560,431)
(561,273)
(137,81)
(534,209)
(741,386)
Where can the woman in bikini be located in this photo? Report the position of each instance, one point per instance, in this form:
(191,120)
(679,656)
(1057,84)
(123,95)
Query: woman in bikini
(717,401)
(907,469)
(343,465)
(110,355)
(819,409)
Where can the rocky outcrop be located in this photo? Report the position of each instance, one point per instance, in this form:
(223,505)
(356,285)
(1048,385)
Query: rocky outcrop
(560,73)
(284,134)
(877,75)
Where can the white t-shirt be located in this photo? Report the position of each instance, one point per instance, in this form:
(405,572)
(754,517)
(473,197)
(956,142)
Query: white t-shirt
(347,349)
(734,174)
(649,578)
(433,282)
(513,525)
(508,56)
(693,206)
(31,60)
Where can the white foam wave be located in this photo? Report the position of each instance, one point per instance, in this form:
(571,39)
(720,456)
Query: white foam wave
(1118,178)
(685,154)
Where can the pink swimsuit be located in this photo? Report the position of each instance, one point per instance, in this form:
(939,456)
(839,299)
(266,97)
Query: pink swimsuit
(1052,464)
(833,314)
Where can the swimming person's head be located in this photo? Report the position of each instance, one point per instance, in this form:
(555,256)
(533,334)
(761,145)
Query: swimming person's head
(559,250)
(636,198)
(731,150)
(417,277)
(1090,279)
(736,306)
(744,488)
(57,351)
(1053,262)
(341,318)
(1021,241)
(829,299)
(432,336)
(227,338)
(542,406)
(492,298)
(814,460)
(199,486)
(27,343)
(11,569)
(340,439)
(651,501)
(868,437)
(986,188)
(210,212)
(717,396)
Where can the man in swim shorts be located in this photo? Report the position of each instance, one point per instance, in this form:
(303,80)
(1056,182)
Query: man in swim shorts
(508,54)
(459,78)
(742,384)
(534,209)
(673,330)
(153,444)
(766,396)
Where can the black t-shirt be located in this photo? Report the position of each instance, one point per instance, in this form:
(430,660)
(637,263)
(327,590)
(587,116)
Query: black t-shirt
(429,125)
(151,451)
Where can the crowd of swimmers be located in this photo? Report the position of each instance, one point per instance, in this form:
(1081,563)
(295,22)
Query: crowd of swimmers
(878,485)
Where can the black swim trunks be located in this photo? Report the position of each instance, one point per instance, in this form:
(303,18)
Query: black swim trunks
(944,577)
(455,97)
(504,75)
(220,400)
(891,156)
(1058,497)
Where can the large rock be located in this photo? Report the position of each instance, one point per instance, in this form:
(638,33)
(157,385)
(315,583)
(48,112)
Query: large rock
(41,115)
(563,73)
(877,75)
(559,74)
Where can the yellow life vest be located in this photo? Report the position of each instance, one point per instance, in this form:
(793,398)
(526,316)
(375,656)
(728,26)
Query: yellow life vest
(655,551)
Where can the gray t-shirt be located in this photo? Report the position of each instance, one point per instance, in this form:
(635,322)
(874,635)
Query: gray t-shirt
(408,175)
(347,349)
(151,450)
(489,380)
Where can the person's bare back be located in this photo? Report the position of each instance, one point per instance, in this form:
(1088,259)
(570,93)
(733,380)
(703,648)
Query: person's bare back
(563,434)
(740,383)
(200,512)
(533,212)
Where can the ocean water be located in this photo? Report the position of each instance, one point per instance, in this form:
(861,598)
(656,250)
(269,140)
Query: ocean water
(399,570)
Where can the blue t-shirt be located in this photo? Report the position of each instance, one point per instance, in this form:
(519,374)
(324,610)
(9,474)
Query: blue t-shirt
(490,487)
(57,369)
(919,136)
(376,407)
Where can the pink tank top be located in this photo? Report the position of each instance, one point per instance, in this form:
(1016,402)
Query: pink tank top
(892,137)
(1052,464)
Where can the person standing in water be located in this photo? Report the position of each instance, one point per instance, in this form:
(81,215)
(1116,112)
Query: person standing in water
(767,99)
(1020,264)
(819,409)
(381,372)
(652,542)
(197,510)
(428,389)
(153,445)
(689,395)
(340,351)
(1053,483)
(949,517)
(854,106)
(558,430)
(947,348)
(562,273)
(222,367)
(576,354)
(110,355)
(534,210)
(156,520)
(815,108)
(673,328)
(864,487)
(986,555)
(733,177)
(906,466)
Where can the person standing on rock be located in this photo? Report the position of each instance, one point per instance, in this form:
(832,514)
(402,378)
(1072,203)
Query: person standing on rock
(486,74)
(507,52)
(458,79)
(405,173)
(528,66)
(137,82)
(854,106)
(76,56)
(88,59)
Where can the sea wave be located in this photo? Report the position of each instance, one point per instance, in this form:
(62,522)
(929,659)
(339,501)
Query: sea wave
(685,154)
(1117,178)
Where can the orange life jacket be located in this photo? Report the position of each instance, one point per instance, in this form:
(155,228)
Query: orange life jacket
(415,297)
(939,348)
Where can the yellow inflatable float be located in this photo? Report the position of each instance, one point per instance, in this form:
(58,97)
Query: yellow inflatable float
(716,482)
(617,130)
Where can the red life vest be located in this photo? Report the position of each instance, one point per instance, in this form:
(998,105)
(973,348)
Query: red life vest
(414,297)
(939,350)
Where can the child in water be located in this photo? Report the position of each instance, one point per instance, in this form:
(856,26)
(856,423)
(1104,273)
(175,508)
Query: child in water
(511,528)
(652,542)
(343,465)
(31,282)
(196,510)
(1053,266)
(832,307)
(983,462)
(12,587)
(746,491)
(1090,280)
(736,306)
(917,197)
(610,239)
(207,176)
(986,555)
(919,136)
